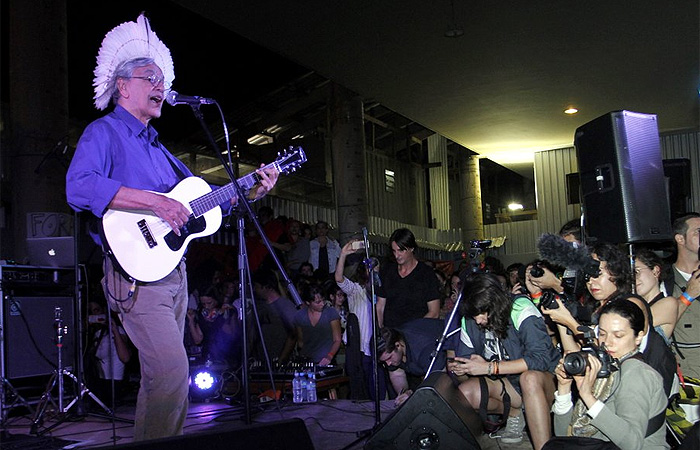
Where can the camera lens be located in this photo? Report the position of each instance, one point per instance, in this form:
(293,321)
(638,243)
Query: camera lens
(575,363)
(536,271)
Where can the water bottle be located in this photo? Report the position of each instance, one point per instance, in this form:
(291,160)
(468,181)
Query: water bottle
(304,387)
(312,388)
(296,388)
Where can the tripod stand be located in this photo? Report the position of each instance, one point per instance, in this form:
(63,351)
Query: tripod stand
(17,400)
(57,377)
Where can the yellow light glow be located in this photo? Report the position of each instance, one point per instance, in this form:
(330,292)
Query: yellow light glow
(570,110)
(515,207)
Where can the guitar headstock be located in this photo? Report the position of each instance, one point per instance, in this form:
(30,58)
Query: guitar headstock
(290,159)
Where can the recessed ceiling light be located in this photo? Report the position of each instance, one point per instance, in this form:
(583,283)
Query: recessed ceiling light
(570,110)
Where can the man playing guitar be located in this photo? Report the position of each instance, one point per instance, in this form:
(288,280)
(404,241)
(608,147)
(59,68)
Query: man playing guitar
(120,164)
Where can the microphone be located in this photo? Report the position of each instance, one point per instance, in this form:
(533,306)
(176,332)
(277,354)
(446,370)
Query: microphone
(557,250)
(174,98)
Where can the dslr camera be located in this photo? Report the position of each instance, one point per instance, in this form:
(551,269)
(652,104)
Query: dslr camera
(576,363)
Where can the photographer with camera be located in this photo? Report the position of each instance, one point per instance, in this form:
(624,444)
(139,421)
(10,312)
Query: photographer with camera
(622,408)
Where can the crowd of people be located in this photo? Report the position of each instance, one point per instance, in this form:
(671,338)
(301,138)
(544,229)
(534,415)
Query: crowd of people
(510,340)
(516,325)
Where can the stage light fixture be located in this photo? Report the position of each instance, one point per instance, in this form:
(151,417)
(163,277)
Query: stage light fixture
(205,384)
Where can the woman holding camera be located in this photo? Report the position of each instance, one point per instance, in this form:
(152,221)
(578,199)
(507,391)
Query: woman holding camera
(625,410)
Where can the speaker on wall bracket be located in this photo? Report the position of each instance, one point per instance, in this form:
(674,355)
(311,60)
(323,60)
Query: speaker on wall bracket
(623,188)
(436,416)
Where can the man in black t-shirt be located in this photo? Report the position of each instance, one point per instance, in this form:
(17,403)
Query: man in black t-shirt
(409,287)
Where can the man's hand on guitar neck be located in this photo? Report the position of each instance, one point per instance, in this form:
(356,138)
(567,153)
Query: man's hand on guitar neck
(268,179)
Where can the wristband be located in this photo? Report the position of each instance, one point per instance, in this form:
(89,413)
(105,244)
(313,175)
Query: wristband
(497,368)
(490,370)
(330,356)
(686,299)
(537,295)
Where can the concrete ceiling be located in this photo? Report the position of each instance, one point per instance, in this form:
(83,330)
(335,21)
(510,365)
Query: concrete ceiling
(499,89)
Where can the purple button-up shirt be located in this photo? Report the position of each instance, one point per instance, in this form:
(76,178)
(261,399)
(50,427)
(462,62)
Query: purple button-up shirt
(118,150)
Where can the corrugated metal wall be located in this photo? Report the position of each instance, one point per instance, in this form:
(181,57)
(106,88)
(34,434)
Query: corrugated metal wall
(406,206)
(551,168)
(439,182)
(408,201)
(685,145)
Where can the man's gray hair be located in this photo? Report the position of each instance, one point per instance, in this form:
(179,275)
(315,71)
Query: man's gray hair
(126,70)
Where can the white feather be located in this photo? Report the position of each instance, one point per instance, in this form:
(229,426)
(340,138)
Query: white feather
(125,42)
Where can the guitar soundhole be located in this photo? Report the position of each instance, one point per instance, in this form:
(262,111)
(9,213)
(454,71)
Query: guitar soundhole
(194,225)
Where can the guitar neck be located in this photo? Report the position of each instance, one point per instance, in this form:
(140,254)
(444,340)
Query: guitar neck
(219,196)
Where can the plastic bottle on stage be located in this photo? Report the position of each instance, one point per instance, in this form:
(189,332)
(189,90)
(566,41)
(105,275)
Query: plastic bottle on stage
(312,397)
(304,387)
(296,389)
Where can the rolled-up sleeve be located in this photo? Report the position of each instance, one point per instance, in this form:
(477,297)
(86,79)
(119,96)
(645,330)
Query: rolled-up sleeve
(88,187)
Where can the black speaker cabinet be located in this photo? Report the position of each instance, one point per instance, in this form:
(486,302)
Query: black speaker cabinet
(623,188)
(28,335)
(283,435)
(437,415)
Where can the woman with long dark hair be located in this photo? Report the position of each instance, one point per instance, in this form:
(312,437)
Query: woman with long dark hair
(504,344)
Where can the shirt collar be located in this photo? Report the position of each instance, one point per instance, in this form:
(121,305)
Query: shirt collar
(135,125)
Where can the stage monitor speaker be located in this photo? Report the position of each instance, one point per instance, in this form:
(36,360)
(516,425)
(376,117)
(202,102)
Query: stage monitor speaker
(28,332)
(437,415)
(282,435)
(623,188)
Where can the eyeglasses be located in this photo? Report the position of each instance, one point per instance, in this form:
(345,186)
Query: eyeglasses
(155,80)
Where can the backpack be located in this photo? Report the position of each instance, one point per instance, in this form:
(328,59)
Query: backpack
(684,409)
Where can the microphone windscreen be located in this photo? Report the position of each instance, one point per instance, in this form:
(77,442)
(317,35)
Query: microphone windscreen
(171,98)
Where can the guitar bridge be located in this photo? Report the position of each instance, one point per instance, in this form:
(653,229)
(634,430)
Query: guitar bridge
(146,232)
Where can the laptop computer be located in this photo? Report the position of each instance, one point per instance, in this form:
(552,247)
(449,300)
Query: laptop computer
(51,251)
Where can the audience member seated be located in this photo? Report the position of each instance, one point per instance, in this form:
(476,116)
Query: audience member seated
(300,250)
(105,360)
(317,327)
(504,344)
(216,327)
(324,251)
(339,300)
(407,351)
(613,270)
(626,408)
(648,271)
(513,279)
(276,314)
(614,277)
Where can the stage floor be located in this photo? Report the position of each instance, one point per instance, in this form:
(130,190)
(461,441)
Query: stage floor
(332,425)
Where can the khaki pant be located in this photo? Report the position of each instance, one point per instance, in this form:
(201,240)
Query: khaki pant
(154,319)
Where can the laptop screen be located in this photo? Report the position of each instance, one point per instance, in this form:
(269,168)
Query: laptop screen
(51,251)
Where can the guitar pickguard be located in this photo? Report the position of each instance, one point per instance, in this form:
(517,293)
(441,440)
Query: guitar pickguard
(193,226)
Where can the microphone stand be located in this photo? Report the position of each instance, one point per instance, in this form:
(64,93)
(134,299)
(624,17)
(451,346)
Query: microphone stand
(375,366)
(245,208)
(445,334)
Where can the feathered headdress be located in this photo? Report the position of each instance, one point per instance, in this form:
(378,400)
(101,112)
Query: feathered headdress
(125,42)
